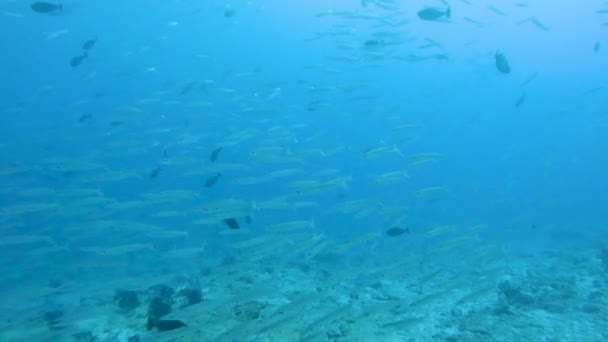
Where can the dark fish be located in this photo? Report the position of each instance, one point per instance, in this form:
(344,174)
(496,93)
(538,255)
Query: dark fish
(396,231)
(248,219)
(76,61)
(372,43)
(89,44)
(164,324)
(431,13)
(596,47)
(215,154)
(45,7)
(520,100)
(155,172)
(212,180)
(85,117)
(232,223)
(53,319)
(229,12)
(187,88)
(502,64)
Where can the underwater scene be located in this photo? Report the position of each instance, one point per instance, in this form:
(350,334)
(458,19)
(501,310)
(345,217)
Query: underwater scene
(304,170)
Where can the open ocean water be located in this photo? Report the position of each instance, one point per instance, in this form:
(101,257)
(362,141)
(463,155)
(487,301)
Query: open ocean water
(266,170)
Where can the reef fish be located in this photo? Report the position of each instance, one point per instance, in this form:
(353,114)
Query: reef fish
(232,223)
(77,60)
(215,153)
(502,64)
(396,231)
(89,44)
(164,324)
(212,180)
(45,7)
(431,13)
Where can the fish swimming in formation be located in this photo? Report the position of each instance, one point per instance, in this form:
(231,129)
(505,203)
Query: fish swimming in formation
(77,60)
(396,231)
(232,223)
(215,153)
(164,324)
(89,44)
(502,64)
(212,180)
(431,13)
(45,7)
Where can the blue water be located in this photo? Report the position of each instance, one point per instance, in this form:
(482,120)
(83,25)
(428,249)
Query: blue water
(515,171)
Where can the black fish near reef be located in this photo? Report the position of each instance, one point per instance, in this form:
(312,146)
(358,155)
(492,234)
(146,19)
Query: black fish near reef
(396,231)
(212,180)
(45,7)
(502,64)
(232,223)
(164,324)
(77,60)
(431,13)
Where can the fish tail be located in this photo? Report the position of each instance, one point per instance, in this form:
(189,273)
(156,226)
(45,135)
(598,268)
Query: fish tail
(448,12)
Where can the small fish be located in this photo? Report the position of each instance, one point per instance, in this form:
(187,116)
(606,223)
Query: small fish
(431,13)
(164,324)
(396,231)
(45,7)
(248,219)
(232,223)
(188,87)
(529,79)
(212,180)
(85,117)
(596,47)
(215,154)
(520,100)
(502,64)
(372,43)
(77,60)
(229,12)
(155,172)
(89,44)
